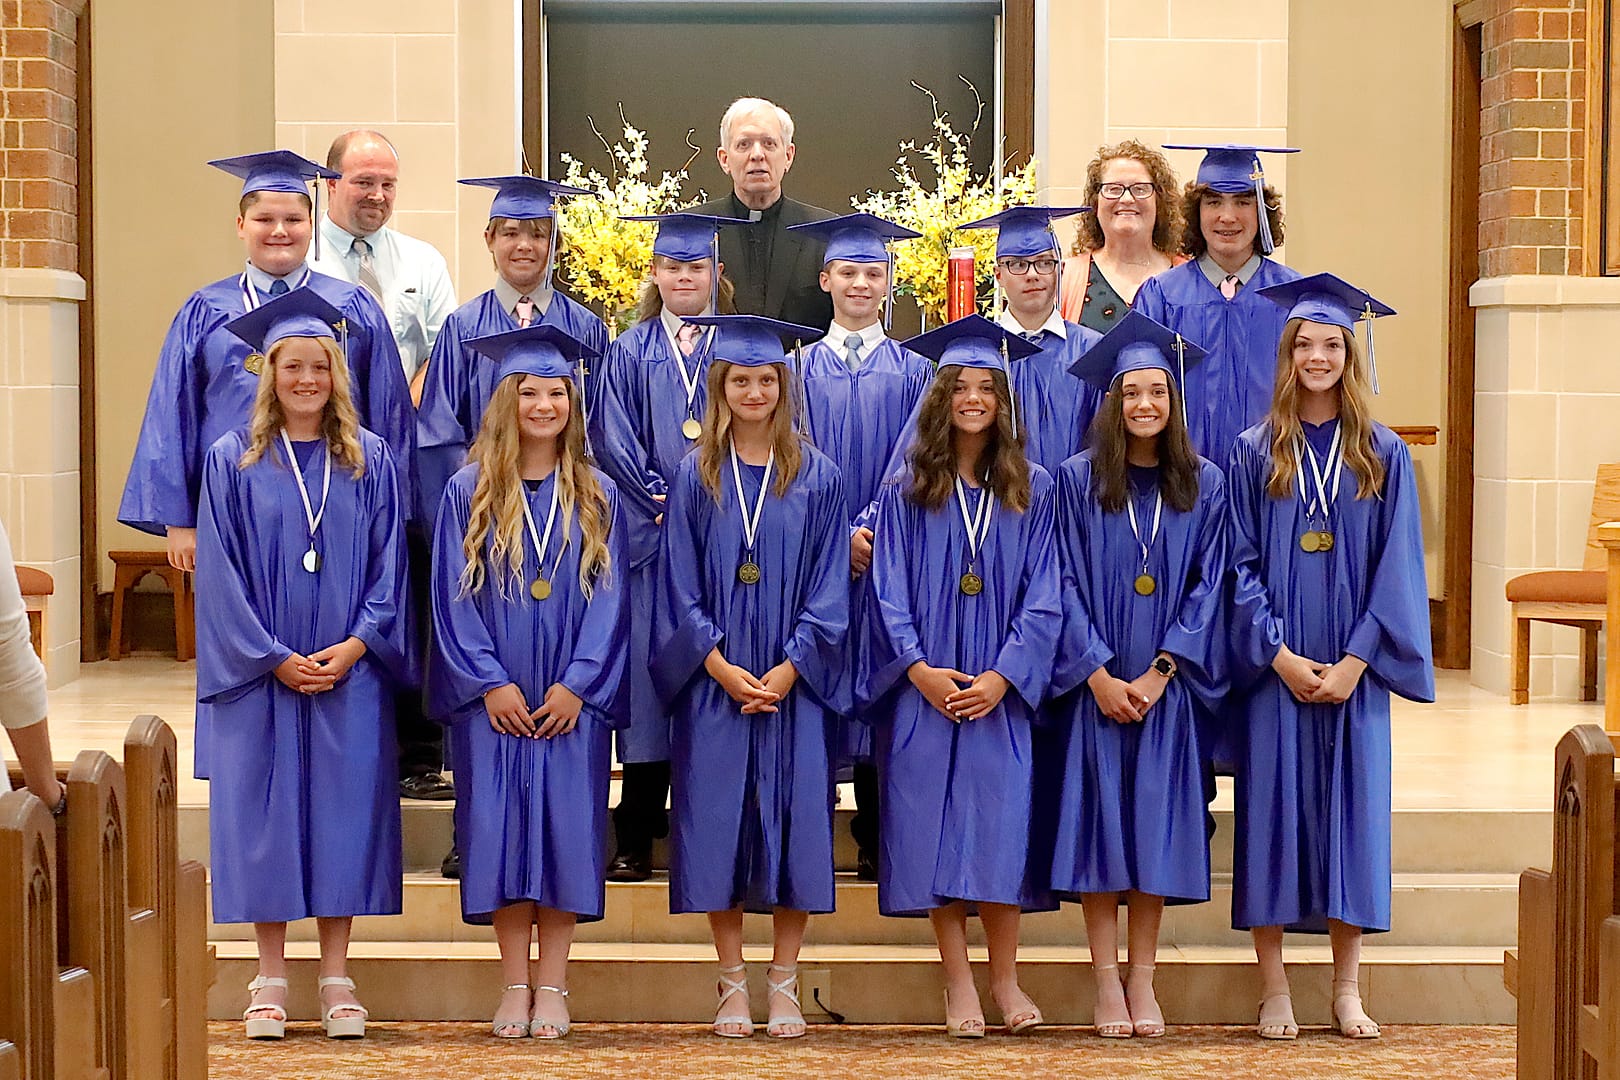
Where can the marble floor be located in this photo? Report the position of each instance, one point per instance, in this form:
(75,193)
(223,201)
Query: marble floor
(1470,750)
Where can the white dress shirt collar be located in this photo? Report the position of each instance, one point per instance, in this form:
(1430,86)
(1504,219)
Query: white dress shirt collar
(672,324)
(871,337)
(1053,325)
(509,297)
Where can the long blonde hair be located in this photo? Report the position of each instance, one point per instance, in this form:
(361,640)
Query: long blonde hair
(499,495)
(1355,419)
(340,424)
(714,444)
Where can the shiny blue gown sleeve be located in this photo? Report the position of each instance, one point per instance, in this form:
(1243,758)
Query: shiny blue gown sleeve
(890,643)
(442,436)
(621,449)
(1082,648)
(598,672)
(165,474)
(684,632)
(817,646)
(382,620)
(382,396)
(466,663)
(1027,653)
(1197,636)
(1256,632)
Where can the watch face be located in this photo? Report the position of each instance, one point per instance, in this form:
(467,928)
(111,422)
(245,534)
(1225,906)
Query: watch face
(1162,666)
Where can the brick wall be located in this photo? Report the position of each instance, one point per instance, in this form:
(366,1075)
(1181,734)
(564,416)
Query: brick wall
(39,133)
(1532,115)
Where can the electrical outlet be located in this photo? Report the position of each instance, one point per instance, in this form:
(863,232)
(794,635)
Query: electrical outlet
(815,990)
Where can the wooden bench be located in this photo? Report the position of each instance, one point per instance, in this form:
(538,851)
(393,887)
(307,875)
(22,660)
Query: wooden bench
(129,567)
(1566,970)
(36,587)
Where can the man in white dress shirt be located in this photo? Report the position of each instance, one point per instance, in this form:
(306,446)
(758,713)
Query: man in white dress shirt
(408,276)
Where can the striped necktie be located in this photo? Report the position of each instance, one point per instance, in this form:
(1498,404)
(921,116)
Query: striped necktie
(368,268)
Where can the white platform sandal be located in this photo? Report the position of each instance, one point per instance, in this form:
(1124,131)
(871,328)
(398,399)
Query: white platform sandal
(342,1027)
(729,986)
(273,1026)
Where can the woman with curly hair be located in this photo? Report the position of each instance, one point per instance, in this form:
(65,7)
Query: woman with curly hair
(1131,232)
(301,645)
(957,653)
(1330,616)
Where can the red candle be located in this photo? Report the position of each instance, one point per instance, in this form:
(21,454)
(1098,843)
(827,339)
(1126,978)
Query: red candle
(960,284)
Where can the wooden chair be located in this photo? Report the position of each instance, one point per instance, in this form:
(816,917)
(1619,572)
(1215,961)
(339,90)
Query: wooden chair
(129,567)
(37,587)
(1567,597)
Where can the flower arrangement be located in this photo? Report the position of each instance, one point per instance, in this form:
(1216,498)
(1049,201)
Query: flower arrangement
(603,261)
(957,195)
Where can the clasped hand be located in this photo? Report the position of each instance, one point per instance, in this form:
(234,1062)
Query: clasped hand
(1127,702)
(320,671)
(941,686)
(756,694)
(1315,683)
(509,712)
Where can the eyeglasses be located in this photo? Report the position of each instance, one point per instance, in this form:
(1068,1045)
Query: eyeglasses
(1138,190)
(1021,267)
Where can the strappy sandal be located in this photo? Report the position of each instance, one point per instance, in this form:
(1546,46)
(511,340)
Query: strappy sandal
(726,988)
(1352,1020)
(788,988)
(512,1029)
(962,1027)
(1277,1021)
(1030,1013)
(1150,1027)
(273,1026)
(1113,1029)
(342,1027)
(558,1028)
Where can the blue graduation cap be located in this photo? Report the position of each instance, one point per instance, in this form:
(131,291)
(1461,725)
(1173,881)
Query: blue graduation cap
(1137,343)
(526,198)
(1233,168)
(544,350)
(689,237)
(300,312)
(974,341)
(1026,231)
(280,170)
(860,238)
(1327,298)
(753,340)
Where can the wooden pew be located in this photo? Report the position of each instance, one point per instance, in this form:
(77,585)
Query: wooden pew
(10,1062)
(1566,970)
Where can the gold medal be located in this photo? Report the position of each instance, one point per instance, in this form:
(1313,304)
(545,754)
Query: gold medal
(691,429)
(748,573)
(540,588)
(254,363)
(1324,540)
(1145,585)
(1310,540)
(312,561)
(972,584)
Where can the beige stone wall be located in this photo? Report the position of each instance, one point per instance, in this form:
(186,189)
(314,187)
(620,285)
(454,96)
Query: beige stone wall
(438,77)
(1547,413)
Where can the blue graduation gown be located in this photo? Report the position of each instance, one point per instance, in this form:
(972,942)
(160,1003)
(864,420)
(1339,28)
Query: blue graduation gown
(751,796)
(303,803)
(201,391)
(857,418)
(1230,389)
(643,408)
(531,813)
(1131,811)
(1054,407)
(956,797)
(459,382)
(1313,781)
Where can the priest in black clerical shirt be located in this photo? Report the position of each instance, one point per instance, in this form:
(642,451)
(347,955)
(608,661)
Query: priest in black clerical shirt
(777,273)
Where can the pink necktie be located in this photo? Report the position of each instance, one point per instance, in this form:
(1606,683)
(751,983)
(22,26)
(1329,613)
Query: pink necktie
(687,337)
(1229,286)
(525,311)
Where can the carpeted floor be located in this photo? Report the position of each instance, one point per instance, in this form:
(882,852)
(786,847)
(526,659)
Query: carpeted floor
(666,1052)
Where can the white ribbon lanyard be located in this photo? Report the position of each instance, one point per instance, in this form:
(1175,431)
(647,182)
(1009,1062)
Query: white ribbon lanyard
(543,542)
(250,295)
(694,380)
(1158,513)
(311,515)
(977,523)
(750,520)
(1327,492)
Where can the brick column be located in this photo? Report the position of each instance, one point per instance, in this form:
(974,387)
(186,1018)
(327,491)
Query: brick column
(1532,115)
(39,196)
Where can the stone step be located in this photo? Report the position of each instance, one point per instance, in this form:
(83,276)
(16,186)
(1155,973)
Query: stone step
(1423,841)
(890,984)
(1453,910)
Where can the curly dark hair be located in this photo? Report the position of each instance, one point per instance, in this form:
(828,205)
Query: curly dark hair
(1167,215)
(1192,237)
(933,456)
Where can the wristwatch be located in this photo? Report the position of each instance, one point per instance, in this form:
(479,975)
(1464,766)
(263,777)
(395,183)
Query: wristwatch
(1164,666)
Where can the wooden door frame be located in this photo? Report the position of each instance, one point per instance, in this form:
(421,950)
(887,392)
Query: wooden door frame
(92,641)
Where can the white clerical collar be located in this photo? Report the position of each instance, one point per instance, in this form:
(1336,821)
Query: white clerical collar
(1053,325)
(509,297)
(262,281)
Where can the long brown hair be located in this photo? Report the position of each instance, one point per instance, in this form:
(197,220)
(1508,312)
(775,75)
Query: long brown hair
(714,444)
(651,304)
(1167,209)
(499,495)
(1355,419)
(1178,461)
(933,456)
(1193,243)
(340,423)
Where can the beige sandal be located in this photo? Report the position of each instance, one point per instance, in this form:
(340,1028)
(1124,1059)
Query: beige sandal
(342,1027)
(1352,1020)
(1277,1020)
(538,1025)
(1150,1026)
(1113,1029)
(512,1029)
(273,1026)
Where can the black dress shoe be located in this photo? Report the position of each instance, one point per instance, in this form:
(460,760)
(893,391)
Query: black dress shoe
(451,867)
(630,866)
(865,866)
(432,786)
